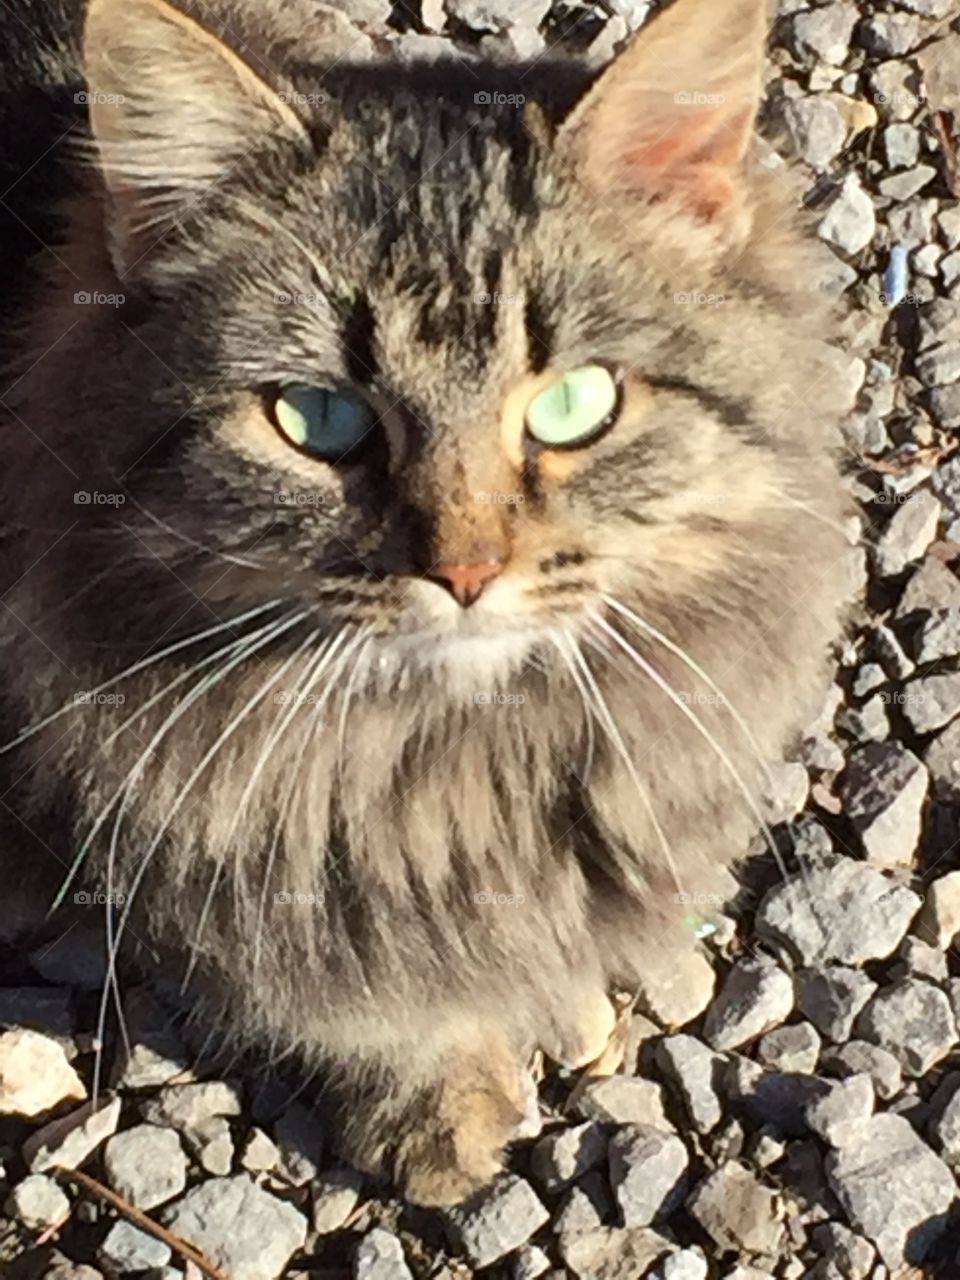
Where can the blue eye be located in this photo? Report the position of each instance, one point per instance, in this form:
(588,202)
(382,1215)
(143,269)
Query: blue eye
(321,420)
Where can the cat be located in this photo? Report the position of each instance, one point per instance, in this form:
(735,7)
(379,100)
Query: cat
(421,523)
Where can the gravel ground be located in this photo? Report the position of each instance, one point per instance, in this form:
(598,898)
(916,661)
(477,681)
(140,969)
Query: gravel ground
(790,1106)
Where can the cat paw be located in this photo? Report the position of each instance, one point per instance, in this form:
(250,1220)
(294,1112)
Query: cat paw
(457,1148)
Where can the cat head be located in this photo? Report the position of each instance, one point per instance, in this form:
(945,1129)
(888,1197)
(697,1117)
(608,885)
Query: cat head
(438,358)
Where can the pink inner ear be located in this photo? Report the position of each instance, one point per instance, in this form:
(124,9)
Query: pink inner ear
(695,157)
(712,137)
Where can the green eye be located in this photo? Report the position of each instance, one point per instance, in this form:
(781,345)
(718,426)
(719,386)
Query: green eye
(325,422)
(575,408)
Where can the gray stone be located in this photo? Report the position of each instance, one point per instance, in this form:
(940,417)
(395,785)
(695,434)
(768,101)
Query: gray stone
(756,996)
(692,1069)
(497,15)
(687,1264)
(260,1153)
(186,1106)
(38,1202)
(890,35)
(902,145)
(61,1268)
(944,406)
(870,676)
(333,1196)
(823,33)
(497,1220)
(920,959)
(211,1144)
(128,1249)
(933,586)
(379,1256)
(838,1114)
(940,365)
(623,1100)
(913,1020)
(946,484)
(939,636)
(850,223)
(793,1048)
(908,534)
(849,913)
(948,220)
(815,130)
(70,1139)
(868,723)
(939,920)
(561,1157)
(850,1253)
(614,1253)
(832,997)
(946,1129)
(893,1189)
(647,1172)
(901,186)
(676,986)
(737,1211)
(896,93)
(154,1052)
(529,1263)
(146,1165)
(884,790)
(587,1205)
(239,1226)
(860,1057)
(930,702)
(942,759)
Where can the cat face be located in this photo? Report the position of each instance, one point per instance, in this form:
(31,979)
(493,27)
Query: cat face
(448,369)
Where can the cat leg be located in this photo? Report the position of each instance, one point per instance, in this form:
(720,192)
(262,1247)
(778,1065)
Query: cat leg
(443,1138)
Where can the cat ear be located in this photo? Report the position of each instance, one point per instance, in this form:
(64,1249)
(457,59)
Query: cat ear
(172,108)
(673,114)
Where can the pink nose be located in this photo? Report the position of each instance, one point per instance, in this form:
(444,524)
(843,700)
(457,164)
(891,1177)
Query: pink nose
(466,582)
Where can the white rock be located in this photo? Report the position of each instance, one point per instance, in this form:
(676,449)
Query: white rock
(38,1202)
(35,1075)
(850,222)
(939,919)
(70,1139)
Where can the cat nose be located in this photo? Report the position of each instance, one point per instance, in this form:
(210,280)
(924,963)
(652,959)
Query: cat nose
(466,582)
